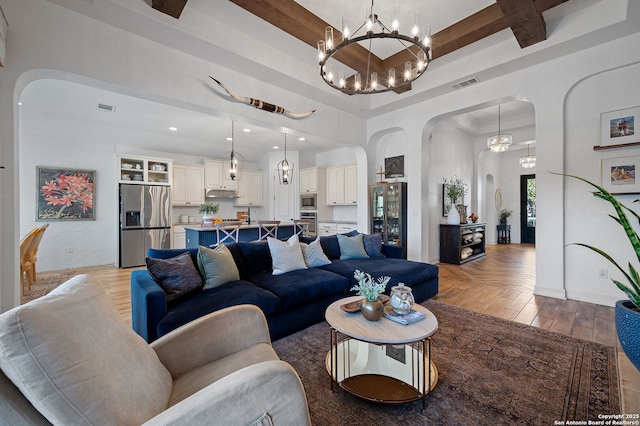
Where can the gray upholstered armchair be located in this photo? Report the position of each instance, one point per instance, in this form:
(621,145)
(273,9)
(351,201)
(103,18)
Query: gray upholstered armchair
(68,359)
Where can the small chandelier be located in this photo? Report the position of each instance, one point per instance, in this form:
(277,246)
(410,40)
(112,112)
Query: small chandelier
(285,168)
(501,141)
(528,161)
(418,49)
(232,156)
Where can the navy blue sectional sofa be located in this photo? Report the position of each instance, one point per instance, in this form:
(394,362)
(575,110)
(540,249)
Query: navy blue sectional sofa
(291,301)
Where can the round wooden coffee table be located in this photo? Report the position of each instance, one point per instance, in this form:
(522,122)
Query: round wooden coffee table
(381,361)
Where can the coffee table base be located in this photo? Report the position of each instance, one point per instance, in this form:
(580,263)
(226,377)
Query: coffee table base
(364,370)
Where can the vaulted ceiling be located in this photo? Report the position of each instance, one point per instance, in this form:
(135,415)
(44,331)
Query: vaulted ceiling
(524,17)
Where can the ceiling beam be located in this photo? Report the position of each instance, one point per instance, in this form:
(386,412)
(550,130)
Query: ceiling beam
(525,21)
(170,7)
(524,17)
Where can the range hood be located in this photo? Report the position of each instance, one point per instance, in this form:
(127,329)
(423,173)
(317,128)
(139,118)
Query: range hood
(220,193)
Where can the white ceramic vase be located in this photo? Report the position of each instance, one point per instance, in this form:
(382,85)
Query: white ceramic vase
(453,217)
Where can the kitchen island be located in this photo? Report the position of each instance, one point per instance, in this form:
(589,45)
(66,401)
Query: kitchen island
(206,235)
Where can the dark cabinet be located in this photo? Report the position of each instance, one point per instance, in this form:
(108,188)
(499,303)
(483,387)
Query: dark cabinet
(462,243)
(388,207)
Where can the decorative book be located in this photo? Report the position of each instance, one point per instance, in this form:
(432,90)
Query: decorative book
(410,318)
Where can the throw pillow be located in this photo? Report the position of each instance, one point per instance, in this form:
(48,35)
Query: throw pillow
(217,266)
(313,254)
(373,245)
(352,247)
(286,255)
(177,276)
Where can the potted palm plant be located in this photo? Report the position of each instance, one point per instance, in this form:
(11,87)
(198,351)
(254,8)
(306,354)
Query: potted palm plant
(627,311)
(455,189)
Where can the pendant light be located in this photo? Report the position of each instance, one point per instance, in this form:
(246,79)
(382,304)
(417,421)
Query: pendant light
(285,168)
(528,161)
(501,141)
(233,158)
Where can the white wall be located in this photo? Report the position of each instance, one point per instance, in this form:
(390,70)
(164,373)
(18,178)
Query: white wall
(450,154)
(585,217)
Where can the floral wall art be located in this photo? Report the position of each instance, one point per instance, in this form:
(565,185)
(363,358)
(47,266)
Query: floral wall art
(65,194)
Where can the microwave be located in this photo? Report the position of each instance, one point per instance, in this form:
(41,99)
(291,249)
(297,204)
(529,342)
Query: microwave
(308,202)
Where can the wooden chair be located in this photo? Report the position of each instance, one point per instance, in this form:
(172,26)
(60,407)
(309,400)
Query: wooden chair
(26,267)
(33,250)
(267,228)
(227,231)
(301,227)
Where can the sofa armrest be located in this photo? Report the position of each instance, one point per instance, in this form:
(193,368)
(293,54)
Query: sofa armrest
(148,305)
(271,389)
(390,250)
(212,337)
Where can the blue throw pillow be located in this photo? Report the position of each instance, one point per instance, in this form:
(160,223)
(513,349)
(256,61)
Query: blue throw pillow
(373,245)
(352,247)
(177,276)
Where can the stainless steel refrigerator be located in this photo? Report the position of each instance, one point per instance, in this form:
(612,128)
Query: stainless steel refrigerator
(145,222)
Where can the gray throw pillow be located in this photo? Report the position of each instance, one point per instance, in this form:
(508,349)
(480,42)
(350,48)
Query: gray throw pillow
(373,245)
(177,276)
(217,266)
(352,247)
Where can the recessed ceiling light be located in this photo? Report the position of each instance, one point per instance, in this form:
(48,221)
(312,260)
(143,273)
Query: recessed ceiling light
(229,139)
(246,130)
(276,147)
(302,139)
(173,129)
(19,103)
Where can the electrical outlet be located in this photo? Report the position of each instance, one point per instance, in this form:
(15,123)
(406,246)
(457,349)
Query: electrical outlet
(603,273)
(70,250)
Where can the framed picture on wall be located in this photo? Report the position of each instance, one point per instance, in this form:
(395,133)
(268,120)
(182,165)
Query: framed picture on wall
(394,166)
(65,194)
(446,201)
(618,127)
(619,175)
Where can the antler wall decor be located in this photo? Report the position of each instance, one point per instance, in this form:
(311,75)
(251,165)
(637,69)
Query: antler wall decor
(264,105)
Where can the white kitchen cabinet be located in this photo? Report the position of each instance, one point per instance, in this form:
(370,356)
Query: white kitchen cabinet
(342,188)
(343,228)
(309,180)
(217,176)
(249,188)
(351,184)
(326,228)
(144,170)
(188,185)
(178,237)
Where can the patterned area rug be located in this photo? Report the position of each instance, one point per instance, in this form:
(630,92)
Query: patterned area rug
(45,282)
(491,372)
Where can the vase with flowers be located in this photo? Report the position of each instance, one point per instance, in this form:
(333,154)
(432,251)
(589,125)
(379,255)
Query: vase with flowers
(455,190)
(208,210)
(371,289)
(504,215)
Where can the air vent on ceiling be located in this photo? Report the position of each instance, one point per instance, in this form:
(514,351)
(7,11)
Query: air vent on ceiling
(465,83)
(106,107)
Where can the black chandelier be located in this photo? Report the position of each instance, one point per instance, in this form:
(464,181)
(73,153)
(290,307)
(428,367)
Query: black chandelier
(419,51)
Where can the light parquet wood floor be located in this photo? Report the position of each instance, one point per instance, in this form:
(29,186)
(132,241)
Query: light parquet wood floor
(499,284)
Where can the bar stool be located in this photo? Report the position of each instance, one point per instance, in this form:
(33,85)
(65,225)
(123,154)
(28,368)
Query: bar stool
(301,227)
(228,230)
(267,228)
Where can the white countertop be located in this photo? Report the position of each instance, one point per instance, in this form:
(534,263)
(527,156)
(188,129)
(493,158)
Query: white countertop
(198,227)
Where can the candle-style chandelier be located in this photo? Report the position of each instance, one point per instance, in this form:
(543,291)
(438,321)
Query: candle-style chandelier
(416,48)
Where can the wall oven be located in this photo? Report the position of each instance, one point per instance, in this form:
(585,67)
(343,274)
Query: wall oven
(312,217)
(308,202)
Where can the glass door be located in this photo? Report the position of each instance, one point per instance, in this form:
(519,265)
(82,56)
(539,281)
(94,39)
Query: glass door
(377,209)
(392,231)
(528,209)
